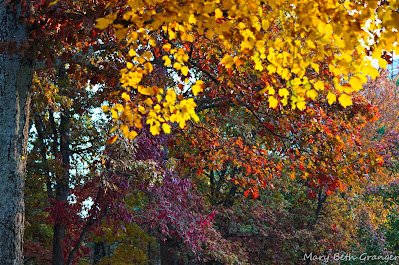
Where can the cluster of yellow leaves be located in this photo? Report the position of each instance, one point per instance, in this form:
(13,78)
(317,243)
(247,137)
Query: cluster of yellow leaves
(160,110)
(287,39)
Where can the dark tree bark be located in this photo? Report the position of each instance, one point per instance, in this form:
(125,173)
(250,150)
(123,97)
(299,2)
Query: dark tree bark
(167,248)
(62,190)
(168,253)
(15,83)
(101,250)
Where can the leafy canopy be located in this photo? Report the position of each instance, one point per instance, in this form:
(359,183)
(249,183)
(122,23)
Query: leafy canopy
(287,41)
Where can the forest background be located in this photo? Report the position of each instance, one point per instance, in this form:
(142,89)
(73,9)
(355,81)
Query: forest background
(234,132)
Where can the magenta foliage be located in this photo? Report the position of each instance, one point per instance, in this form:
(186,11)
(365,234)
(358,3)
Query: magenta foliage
(179,211)
(148,146)
(389,150)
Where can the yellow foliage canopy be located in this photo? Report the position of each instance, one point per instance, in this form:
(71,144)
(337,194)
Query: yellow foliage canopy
(285,38)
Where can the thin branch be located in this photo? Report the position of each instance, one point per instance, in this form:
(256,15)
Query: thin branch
(71,255)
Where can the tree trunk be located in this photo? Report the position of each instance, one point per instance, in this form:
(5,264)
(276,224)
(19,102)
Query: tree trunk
(168,253)
(101,250)
(15,82)
(62,189)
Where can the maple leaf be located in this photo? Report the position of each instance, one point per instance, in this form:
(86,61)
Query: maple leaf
(331,97)
(273,102)
(283,92)
(146,90)
(345,100)
(184,70)
(218,13)
(197,87)
(166,127)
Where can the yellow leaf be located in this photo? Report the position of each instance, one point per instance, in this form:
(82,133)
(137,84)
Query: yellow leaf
(198,87)
(316,67)
(296,81)
(132,135)
(105,108)
(155,129)
(184,70)
(114,114)
(331,97)
(152,42)
(166,47)
(301,105)
(133,36)
(119,107)
(228,61)
(172,34)
(52,3)
(140,59)
(121,33)
(271,69)
(149,102)
(177,66)
(125,130)
(192,19)
(273,102)
(247,44)
(319,85)
(148,91)
(310,44)
(166,128)
(157,108)
(271,91)
(263,91)
(345,100)
(218,13)
(112,139)
(167,60)
(142,110)
(286,74)
(103,23)
(312,94)
(147,55)
(125,96)
(283,92)
(370,70)
(132,53)
(149,67)
(356,83)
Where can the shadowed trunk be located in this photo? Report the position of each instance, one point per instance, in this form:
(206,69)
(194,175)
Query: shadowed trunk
(61,191)
(15,82)
(168,253)
(101,250)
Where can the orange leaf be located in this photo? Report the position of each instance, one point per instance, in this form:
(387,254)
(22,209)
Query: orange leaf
(112,139)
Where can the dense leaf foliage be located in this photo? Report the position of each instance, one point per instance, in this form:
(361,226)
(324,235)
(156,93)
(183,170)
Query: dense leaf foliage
(219,141)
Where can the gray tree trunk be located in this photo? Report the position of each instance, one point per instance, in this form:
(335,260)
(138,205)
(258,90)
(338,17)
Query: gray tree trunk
(61,190)
(15,82)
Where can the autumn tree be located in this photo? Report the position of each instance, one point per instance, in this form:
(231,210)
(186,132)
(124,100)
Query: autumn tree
(231,48)
(31,39)
(377,195)
(65,145)
(288,50)
(15,85)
